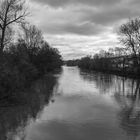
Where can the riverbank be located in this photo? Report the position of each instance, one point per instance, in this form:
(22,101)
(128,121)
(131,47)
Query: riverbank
(117,65)
(89,105)
(114,72)
(21,65)
(17,111)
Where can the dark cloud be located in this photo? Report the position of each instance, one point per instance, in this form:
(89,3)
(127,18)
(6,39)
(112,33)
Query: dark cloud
(82,18)
(88,20)
(84,29)
(61,3)
(110,16)
(74,28)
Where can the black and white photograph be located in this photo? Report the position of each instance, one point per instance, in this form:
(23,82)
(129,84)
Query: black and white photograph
(69,69)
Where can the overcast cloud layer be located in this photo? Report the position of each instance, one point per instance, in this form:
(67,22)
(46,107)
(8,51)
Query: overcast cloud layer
(81,27)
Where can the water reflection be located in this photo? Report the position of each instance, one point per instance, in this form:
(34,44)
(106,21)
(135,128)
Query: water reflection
(127,94)
(89,106)
(112,84)
(129,114)
(14,119)
(102,81)
(84,106)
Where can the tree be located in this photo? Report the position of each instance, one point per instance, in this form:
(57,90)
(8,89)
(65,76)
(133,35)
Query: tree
(32,35)
(119,51)
(130,37)
(8,36)
(11,11)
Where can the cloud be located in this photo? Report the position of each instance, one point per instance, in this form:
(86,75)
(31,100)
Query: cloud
(80,23)
(79,46)
(74,28)
(66,21)
(84,19)
(62,3)
(111,15)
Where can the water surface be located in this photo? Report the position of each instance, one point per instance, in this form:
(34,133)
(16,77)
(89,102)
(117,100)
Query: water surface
(87,106)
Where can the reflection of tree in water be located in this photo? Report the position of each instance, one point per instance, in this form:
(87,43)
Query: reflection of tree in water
(108,83)
(14,119)
(129,115)
(126,93)
(103,81)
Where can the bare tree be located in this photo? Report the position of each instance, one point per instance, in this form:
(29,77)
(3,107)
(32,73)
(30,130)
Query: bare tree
(118,51)
(31,35)
(130,37)
(11,11)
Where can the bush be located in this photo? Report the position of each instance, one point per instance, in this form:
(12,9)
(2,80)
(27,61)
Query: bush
(20,66)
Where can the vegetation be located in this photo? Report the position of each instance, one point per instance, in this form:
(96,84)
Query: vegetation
(120,60)
(11,11)
(24,60)
(25,107)
(72,62)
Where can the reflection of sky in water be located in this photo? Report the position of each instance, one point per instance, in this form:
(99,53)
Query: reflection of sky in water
(84,108)
(76,118)
(72,83)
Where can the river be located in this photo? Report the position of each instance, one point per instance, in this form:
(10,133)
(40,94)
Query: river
(84,106)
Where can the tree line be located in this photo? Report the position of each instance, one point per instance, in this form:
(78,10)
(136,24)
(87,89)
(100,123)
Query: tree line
(24,56)
(123,60)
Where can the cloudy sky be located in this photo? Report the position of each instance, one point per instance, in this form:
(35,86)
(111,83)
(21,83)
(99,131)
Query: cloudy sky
(81,27)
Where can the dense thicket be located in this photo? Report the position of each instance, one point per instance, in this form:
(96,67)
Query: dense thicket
(122,65)
(21,65)
(72,62)
(26,57)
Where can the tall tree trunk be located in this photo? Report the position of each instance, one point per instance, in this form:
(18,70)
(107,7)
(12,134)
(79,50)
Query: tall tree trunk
(2,40)
(135,57)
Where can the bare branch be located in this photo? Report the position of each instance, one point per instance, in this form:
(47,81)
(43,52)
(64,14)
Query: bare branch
(15,20)
(11,11)
(1,26)
(1,18)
